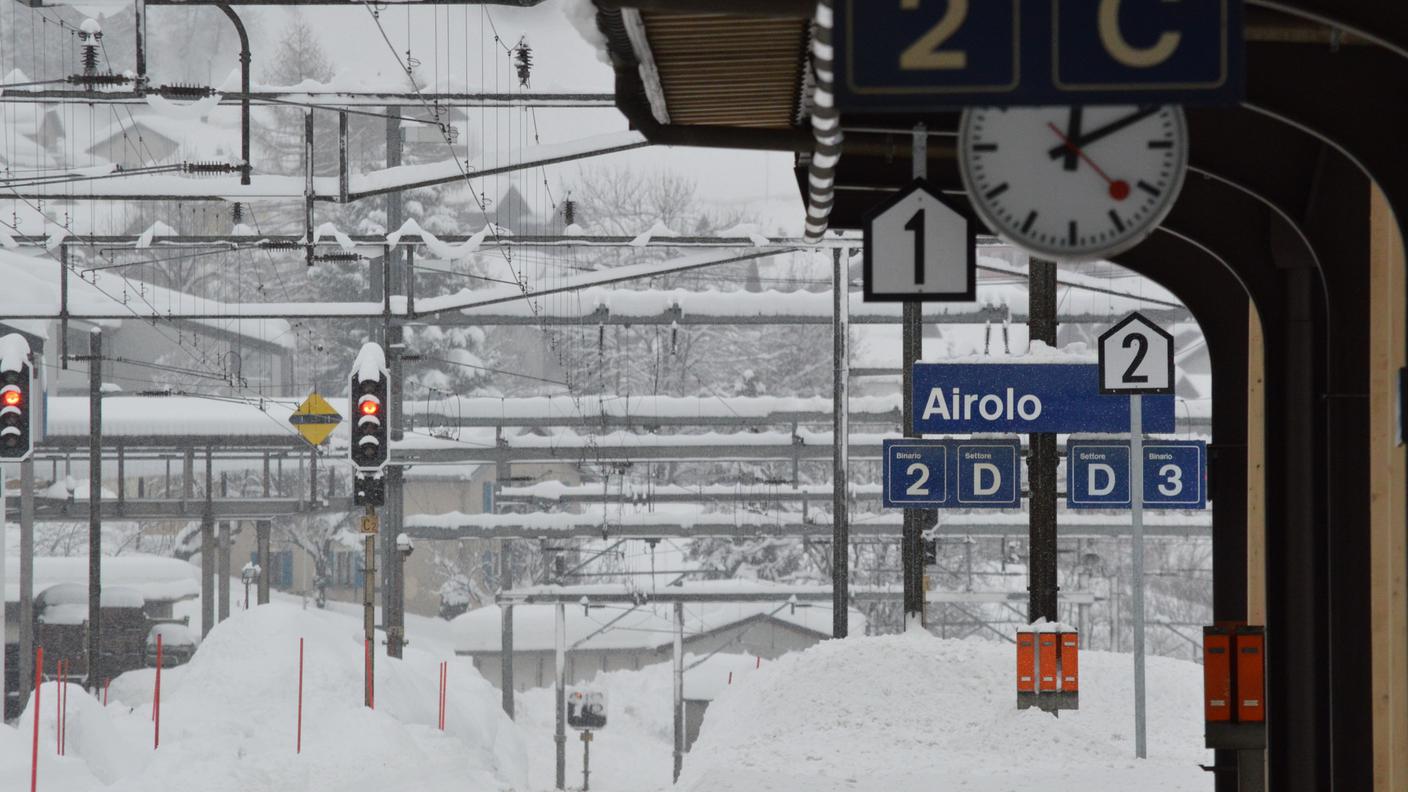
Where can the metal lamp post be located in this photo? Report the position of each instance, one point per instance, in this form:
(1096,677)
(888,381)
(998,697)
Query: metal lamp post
(249,575)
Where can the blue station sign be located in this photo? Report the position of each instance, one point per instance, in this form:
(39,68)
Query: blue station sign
(953,474)
(1022,398)
(1175,474)
(922,55)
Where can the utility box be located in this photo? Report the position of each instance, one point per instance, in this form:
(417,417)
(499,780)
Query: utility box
(1068,652)
(1048,667)
(1234,687)
(1048,671)
(1217,675)
(1026,668)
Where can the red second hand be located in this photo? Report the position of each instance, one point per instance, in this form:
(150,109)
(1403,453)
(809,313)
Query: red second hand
(1119,188)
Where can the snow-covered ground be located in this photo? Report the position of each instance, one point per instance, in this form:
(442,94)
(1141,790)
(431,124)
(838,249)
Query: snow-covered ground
(228,720)
(894,713)
(914,713)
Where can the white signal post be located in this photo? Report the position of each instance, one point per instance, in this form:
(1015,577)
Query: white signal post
(1136,357)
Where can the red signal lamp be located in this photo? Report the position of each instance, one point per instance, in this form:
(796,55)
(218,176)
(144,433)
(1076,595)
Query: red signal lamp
(12,398)
(369,407)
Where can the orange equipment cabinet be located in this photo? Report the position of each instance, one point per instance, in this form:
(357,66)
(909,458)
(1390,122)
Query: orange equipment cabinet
(1234,687)
(1068,652)
(1046,670)
(1217,675)
(1048,667)
(1070,661)
(1026,669)
(1250,643)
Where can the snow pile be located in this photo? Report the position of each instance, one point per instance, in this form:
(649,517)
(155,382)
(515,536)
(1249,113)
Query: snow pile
(633,752)
(228,720)
(14,352)
(914,713)
(370,363)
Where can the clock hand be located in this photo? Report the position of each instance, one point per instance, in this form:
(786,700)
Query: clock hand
(1104,131)
(1073,123)
(1119,188)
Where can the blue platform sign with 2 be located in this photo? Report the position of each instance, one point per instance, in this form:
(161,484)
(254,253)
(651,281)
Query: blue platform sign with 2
(953,474)
(1175,474)
(908,56)
(1022,398)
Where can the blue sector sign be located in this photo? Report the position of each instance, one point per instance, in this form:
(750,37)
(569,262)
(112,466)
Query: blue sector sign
(953,474)
(1175,474)
(1023,398)
(921,55)
(1097,475)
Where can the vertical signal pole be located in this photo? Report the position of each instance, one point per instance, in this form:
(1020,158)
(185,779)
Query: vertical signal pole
(392,279)
(912,348)
(369,526)
(1041,459)
(1136,524)
(26,624)
(95,502)
(840,436)
(560,656)
(369,450)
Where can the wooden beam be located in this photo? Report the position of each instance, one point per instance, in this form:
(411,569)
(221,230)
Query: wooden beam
(1256,469)
(1388,519)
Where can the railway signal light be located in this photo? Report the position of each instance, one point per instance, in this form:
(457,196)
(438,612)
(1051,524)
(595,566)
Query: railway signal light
(16,410)
(369,490)
(370,446)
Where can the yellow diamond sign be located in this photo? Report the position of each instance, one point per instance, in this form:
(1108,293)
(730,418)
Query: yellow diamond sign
(315,419)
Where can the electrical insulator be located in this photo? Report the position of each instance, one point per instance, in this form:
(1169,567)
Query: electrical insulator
(99,79)
(208,167)
(523,61)
(337,257)
(90,35)
(569,211)
(185,91)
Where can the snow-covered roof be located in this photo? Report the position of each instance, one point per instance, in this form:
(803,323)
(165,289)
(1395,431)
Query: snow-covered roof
(623,627)
(102,134)
(32,287)
(646,407)
(144,577)
(173,416)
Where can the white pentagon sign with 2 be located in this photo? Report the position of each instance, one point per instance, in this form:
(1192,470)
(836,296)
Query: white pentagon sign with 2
(1136,356)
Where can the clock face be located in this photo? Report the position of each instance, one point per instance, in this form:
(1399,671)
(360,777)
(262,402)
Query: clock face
(1073,183)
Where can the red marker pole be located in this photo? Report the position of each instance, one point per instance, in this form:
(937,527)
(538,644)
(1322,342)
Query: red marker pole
(299,747)
(156,708)
(444,690)
(59,710)
(34,756)
(63,709)
(371,689)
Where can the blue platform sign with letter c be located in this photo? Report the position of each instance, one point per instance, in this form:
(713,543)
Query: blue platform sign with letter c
(908,56)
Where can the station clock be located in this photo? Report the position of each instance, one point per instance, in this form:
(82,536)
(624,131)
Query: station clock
(1073,183)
